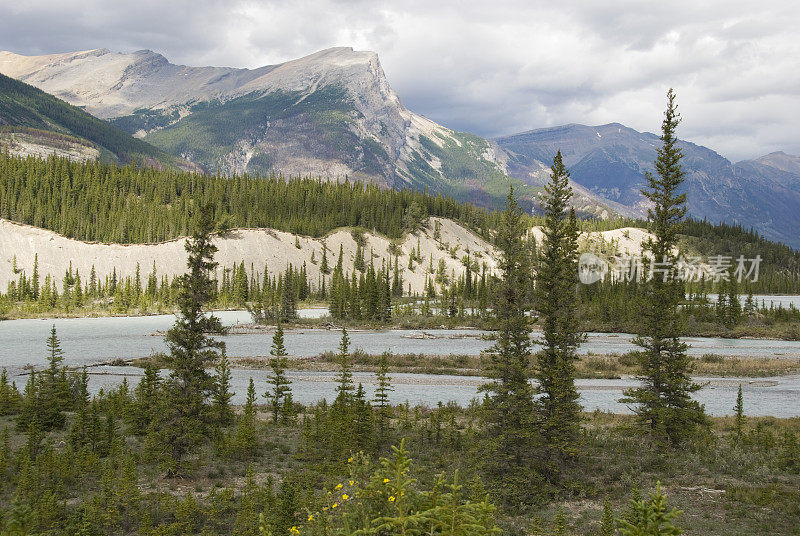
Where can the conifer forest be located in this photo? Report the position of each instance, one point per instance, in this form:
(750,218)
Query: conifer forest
(182,451)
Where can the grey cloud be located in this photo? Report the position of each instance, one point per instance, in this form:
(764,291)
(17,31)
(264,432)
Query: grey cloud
(489,68)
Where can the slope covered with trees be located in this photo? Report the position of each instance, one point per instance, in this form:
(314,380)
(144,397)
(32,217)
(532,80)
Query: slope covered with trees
(24,108)
(96,201)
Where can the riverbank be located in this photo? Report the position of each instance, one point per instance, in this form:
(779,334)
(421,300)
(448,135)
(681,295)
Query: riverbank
(591,366)
(774,396)
(90,341)
(315,314)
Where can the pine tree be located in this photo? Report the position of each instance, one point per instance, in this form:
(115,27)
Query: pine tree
(558,410)
(35,278)
(9,396)
(651,517)
(663,403)
(82,390)
(323,265)
(53,392)
(739,411)
(223,411)
(246,432)
(288,298)
(359,263)
(509,406)
(608,524)
(344,391)
(382,403)
(280,390)
(29,411)
(397,280)
(560,523)
(363,433)
(733,310)
(145,410)
(186,414)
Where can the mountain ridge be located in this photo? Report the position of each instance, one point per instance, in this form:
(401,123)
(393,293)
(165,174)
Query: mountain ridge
(333,113)
(330,113)
(611,161)
(37,123)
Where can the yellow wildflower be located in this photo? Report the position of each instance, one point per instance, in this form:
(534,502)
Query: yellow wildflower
(338,487)
(391,499)
(334,505)
(385,480)
(345,497)
(350,482)
(350,459)
(294,530)
(311,517)
(324,508)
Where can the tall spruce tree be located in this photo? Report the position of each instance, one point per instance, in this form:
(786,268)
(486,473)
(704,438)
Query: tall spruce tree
(185,417)
(558,410)
(508,409)
(223,412)
(740,420)
(54,390)
(382,404)
(663,403)
(280,389)
(344,391)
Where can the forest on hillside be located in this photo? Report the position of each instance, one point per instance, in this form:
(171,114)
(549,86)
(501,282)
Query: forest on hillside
(172,455)
(25,108)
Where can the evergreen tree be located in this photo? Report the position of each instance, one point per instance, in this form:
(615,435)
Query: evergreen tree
(558,410)
(9,396)
(53,391)
(29,411)
(739,412)
(288,298)
(608,525)
(246,441)
(323,265)
(359,263)
(397,280)
(186,416)
(277,395)
(145,407)
(509,407)
(733,310)
(363,433)
(560,523)
(344,391)
(35,278)
(382,403)
(663,402)
(651,517)
(223,412)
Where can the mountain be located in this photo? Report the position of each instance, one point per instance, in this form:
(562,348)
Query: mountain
(36,123)
(611,161)
(782,161)
(332,113)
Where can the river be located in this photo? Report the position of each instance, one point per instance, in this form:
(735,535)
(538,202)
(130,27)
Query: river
(778,397)
(89,341)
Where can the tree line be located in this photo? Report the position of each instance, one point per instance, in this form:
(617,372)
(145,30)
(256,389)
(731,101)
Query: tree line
(526,440)
(108,203)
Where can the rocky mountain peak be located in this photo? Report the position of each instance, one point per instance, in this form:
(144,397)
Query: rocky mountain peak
(782,161)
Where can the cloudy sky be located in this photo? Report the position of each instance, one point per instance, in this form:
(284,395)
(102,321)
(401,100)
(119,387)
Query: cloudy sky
(490,68)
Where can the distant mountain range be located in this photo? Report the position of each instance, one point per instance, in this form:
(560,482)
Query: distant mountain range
(611,161)
(331,114)
(334,114)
